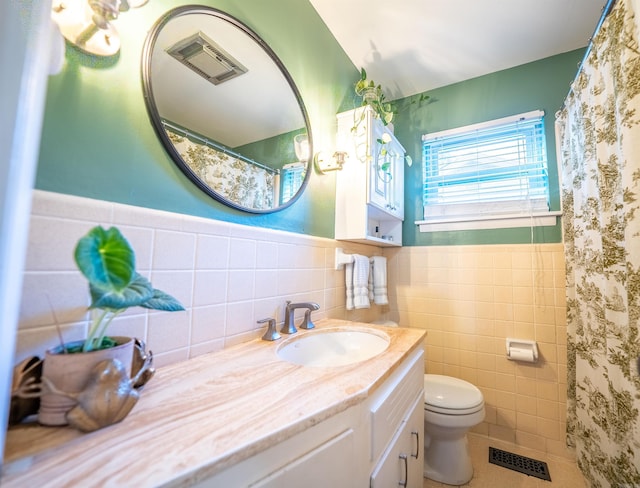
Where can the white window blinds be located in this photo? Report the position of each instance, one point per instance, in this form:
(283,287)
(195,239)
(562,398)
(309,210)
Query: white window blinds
(292,177)
(486,170)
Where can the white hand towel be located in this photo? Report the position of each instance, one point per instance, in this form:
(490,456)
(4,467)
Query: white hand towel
(371,280)
(348,282)
(380,280)
(361,281)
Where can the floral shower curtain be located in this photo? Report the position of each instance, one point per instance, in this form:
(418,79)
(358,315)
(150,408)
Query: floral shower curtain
(599,137)
(236,180)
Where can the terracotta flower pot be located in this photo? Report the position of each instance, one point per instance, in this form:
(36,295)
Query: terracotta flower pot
(70,372)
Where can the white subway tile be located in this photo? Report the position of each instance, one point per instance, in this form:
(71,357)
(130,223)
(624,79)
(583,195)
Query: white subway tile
(242,254)
(178,284)
(52,243)
(210,287)
(208,323)
(173,250)
(240,285)
(171,357)
(50,298)
(240,318)
(266,283)
(168,331)
(212,252)
(205,348)
(63,206)
(266,255)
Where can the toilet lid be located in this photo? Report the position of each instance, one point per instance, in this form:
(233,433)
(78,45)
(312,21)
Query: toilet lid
(451,394)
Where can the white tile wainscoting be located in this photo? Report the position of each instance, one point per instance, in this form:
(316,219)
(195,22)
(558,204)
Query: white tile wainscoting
(226,275)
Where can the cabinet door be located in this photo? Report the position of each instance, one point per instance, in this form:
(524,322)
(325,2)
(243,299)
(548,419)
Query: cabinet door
(386,171)
(415,431)
(328,465)
(395,195)
(402,463)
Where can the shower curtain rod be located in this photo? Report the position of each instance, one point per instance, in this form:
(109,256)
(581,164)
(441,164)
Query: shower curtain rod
(606,10)
(219,147)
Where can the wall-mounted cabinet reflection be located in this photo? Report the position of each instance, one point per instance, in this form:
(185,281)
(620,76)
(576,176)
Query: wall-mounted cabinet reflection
(370,187)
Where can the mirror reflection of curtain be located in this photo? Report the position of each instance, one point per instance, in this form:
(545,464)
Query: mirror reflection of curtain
(239,181)
(599,136)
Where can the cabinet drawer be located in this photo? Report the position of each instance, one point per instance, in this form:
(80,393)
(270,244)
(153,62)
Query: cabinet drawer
(402,463)
(390,406)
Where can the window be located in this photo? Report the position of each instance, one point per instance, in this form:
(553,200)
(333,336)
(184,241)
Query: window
(292,177)
(487,175)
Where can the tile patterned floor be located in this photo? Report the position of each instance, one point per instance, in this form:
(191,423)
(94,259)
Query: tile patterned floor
(564,474)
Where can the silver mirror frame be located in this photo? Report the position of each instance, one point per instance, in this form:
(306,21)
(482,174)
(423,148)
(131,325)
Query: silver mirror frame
(154,115)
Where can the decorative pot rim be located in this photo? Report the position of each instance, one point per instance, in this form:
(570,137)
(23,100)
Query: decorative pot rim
(57,350)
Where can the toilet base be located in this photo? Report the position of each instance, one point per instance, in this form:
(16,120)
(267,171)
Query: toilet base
(453,461)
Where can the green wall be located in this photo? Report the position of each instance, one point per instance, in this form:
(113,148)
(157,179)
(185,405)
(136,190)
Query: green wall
(540,85)
(98,142)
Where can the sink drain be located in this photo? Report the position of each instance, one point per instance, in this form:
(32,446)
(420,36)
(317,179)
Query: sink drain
(522,464)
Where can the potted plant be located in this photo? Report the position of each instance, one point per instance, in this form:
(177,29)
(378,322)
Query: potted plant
(107,261)
(372,95)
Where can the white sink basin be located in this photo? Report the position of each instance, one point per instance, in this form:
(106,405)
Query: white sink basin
(333,347)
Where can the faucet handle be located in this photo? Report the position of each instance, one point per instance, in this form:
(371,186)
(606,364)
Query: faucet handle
(271,334)
(307,323)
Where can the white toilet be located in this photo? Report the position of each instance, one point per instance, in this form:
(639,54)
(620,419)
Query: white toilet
(451,407)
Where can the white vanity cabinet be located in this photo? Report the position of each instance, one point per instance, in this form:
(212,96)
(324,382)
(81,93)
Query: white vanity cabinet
(370,186)
(402,462)
(397,426)
(363,445)
(326,454)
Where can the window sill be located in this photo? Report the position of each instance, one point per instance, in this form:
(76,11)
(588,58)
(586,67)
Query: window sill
(488,222)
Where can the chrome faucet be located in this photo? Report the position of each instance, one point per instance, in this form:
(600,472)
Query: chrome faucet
(289,326)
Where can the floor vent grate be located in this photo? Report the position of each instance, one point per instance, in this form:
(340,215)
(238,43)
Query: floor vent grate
(522,464)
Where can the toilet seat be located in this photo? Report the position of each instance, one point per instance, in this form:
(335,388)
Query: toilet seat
(451,396)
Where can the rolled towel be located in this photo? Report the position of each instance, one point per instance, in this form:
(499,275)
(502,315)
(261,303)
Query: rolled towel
(380,280)
(348,282)
(361,281)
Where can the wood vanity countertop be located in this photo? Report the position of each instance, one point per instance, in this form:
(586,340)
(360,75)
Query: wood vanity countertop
(198,417)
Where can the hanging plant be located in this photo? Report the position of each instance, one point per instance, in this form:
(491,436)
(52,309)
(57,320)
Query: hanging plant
(372,95)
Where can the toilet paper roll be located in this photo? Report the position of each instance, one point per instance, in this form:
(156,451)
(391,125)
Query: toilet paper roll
(524,355)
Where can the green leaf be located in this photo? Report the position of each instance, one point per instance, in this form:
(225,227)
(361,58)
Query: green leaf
(106,259)
(363,74)
(385,167)
(137,293)
(162,301)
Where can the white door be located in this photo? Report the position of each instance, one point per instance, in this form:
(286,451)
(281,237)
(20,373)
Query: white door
(25,36)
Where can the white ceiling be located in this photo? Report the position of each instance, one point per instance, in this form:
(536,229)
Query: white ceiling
(411,46)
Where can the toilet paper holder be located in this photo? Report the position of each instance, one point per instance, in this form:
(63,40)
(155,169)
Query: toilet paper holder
(522,350)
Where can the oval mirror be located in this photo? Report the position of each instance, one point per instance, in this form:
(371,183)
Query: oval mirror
(226,109)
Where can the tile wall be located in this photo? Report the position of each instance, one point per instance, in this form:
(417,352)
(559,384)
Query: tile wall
(470,299)
(227,276)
